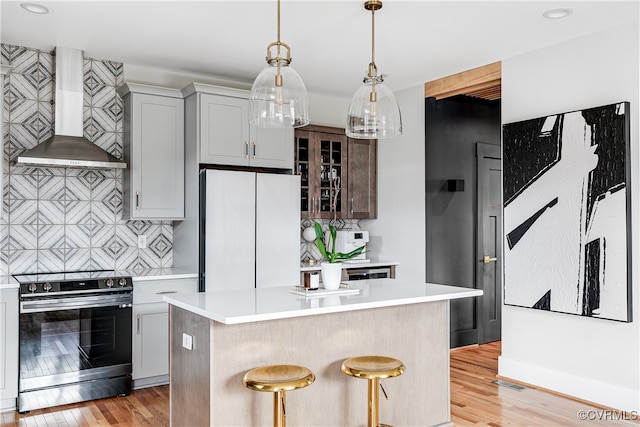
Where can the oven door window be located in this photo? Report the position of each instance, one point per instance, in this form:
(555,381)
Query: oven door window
(55,343)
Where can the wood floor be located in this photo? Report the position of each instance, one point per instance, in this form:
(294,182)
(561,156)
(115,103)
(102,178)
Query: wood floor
(475,401)
(144,407)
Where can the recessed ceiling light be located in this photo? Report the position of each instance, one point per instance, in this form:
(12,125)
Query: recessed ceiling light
(35,8)
(557,13)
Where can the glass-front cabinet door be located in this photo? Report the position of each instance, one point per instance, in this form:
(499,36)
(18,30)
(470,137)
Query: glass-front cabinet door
(333,158)
(302,164)
(321,160)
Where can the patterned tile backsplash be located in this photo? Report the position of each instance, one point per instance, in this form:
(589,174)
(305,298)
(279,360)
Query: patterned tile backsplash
(57,219)
(308,250)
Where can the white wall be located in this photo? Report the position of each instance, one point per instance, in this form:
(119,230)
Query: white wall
(173,79)
(592,359)
(323,109)
(399,232)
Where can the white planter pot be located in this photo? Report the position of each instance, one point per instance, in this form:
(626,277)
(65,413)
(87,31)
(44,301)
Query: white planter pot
(331,275)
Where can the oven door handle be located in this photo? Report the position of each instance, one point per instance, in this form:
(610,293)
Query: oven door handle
(57,304)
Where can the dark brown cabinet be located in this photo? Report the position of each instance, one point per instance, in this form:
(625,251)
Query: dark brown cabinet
(362,178)
(338,174)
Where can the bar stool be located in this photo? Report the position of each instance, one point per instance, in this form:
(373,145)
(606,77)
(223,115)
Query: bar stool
(278,379)
(373,368)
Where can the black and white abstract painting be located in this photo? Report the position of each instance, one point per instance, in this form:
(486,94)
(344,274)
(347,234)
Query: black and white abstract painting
(567,213)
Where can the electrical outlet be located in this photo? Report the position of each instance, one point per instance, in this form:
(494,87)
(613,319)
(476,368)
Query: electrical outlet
(187,341)
(142,241)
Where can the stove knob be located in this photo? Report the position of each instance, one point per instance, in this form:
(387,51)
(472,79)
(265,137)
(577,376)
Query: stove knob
(47,286)
(109,283)
(32,287)
(122,282)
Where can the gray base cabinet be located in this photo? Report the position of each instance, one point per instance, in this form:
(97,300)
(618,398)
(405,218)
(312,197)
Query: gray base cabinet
(8,348)
(154,150)
(151,328)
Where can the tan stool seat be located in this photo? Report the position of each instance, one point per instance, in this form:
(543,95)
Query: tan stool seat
(278,379)
(373,369)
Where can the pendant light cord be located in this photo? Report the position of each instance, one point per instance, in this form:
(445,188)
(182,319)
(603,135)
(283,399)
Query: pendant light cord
(279,58)
(373,72)
(278,27)
(373,36)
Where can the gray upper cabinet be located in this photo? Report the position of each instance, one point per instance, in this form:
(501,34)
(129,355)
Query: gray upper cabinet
(271,147)
(224,130)
(153,185)
(223,133)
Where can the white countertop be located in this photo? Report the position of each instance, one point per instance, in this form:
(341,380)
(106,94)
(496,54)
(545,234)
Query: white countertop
(255,305)
(355,264)
(161,273)
(8,282)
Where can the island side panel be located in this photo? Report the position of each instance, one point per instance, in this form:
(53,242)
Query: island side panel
(189,369)
(417,334)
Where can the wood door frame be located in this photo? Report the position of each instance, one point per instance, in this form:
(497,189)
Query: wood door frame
(483,82)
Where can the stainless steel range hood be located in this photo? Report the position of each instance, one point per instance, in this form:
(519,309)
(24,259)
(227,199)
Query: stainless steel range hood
(68,147)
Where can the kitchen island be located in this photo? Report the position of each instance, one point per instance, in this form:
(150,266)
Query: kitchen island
(215,337)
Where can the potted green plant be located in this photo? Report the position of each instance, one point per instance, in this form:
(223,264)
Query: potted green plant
(331,269)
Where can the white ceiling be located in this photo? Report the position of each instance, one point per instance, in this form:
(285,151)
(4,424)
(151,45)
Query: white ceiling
(416,41)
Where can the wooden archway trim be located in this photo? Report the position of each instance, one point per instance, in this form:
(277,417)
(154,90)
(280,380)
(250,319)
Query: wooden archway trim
(482,82)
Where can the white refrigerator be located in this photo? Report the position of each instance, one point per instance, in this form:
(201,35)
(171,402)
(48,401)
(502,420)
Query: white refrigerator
(249,230)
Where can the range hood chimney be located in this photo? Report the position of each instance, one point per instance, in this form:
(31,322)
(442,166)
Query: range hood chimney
(68,147)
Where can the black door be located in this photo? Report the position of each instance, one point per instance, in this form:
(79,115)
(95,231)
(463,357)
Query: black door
(489,242)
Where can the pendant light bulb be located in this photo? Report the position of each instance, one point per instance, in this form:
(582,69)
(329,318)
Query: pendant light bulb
(278,96)
(374,111)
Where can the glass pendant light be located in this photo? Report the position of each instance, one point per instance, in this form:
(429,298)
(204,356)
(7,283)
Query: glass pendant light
(278,96)
(374,111)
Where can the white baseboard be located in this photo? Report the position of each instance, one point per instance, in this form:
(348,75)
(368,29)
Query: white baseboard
(600,393)
(7,405)
(150,382)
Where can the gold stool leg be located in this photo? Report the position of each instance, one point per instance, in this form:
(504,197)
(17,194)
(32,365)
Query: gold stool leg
(373,402)
(279,414)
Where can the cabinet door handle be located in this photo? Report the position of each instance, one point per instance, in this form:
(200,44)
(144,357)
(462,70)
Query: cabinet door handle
(166,292)
(313,204)
(137,324)
(254,149)
(137,200)
(246,150)
(352,205)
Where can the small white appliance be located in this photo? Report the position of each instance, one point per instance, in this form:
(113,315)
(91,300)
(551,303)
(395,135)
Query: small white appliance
(349,240)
